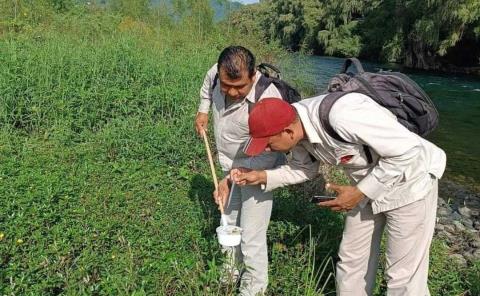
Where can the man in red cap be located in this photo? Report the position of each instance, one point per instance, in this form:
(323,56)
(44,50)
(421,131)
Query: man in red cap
(393,173)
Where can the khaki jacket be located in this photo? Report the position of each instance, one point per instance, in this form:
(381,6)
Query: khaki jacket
(402,161)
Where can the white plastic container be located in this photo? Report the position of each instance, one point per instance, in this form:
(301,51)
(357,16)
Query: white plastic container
(229,235)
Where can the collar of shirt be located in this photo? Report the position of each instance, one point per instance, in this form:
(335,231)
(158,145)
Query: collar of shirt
(312,134)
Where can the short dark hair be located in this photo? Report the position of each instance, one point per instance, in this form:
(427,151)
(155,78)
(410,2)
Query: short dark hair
(234,59)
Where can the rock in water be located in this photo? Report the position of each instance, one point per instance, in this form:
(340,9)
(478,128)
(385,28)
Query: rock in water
(468,223)
(458,226)
(449,228)
(456,216)
(465,211)
(475,243)
(443,212)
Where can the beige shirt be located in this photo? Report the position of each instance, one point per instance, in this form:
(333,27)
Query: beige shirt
(231,124)
(402,160)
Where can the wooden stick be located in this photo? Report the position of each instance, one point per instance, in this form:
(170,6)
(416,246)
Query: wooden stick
(212,165)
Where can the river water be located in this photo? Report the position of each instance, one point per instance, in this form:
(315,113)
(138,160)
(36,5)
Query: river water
(457,98)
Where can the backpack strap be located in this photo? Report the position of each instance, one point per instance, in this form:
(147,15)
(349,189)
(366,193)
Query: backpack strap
(324,113)
(215,81)
(262,84)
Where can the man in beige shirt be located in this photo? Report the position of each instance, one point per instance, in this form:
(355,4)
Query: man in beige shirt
(230,88)
(394,183)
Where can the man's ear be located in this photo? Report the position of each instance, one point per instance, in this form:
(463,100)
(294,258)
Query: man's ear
(252,77)
(289,132)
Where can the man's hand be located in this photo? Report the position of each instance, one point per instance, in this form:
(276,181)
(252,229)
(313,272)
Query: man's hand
(243,176)
(237,172)
(348,198)
(201,122)
(221,195)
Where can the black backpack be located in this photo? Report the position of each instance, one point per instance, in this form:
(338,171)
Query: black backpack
(392,90)
(270,74)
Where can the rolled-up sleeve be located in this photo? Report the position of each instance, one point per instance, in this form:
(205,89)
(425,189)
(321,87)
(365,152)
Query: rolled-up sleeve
(358,119)
(299,169)
(206,90)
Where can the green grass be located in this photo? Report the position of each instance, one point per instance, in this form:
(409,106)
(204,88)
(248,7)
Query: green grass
(105,187)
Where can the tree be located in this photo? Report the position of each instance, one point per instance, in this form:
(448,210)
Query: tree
(422,34)
(419,33)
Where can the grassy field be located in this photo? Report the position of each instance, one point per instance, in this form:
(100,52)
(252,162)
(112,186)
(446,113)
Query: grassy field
(106,188)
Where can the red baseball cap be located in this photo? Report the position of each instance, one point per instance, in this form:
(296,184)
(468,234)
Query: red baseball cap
(267,118)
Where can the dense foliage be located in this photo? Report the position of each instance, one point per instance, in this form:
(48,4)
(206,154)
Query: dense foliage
(105,186)
(423,34)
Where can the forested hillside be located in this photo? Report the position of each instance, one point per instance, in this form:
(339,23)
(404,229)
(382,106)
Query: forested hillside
(433,34)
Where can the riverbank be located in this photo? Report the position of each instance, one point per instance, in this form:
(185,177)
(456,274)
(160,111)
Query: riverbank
(458,221)
(460,70)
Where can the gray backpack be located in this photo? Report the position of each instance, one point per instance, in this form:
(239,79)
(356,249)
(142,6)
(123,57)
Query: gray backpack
(392,90)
